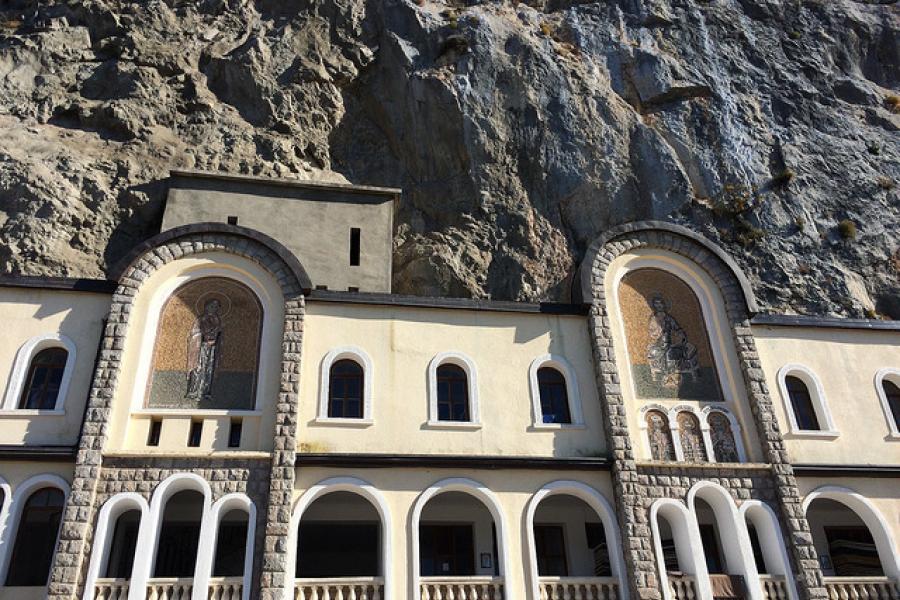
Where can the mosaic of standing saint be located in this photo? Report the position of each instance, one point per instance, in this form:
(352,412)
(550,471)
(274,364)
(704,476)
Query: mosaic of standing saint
(691,438)
(722,436)
(666,338)
(207,347)
(660,436)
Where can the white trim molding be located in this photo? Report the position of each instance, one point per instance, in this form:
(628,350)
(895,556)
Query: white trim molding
(112,509)
(13,514)
(354,486)
(465,363)
(565,369)
(598,503)
(361,357)
(466,486)
(22,364)
(891,374)
(817,395)
(878,526)
(735,432)
(209,536)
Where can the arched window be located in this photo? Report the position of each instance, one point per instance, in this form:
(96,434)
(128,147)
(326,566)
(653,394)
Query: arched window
(452,393)
(887,383)
(123,544)
(554,396)
(801,404)
(231,544)
(345,390)
(44,379)
(36,538)
(892,393)
(179,535)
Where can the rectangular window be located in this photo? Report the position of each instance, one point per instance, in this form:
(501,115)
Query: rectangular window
(354,246)
(195,434)
(234,434)
(155,431)
(550,544)
(447,550)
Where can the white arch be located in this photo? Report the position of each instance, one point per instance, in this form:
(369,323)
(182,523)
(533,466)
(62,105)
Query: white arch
(771,542)
(106,526)
(20,496)
(891,374)
(816,394)
(466,364)
(6,489)
(22,364)
(599,505)
(735,430)
(688,545)
(887,547)
(354,486)
(173,484)
(209,537)
(733,534)
(362,358)
(565,368)
(466,486)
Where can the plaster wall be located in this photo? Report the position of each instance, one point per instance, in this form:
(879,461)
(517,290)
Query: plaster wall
(28,313)
(312,224)
(845,362)
(401,341)
(401,487)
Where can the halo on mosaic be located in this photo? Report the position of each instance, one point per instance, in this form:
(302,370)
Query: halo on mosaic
(205,297)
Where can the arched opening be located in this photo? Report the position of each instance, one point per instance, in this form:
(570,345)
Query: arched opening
(769,552)
(122,545)
(554,396)
(711,538)
(452,393)
(801,403)
(571,550)
(36,535)
(678,551)
(844,543)
(44,379)
(179,535)
(340,536)
(659,435)
(231,544)
(891,391)
(345,390)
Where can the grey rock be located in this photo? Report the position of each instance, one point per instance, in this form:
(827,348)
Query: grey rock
(518,132)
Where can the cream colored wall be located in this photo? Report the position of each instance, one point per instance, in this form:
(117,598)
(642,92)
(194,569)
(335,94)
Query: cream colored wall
(130,420)
(33,312)
(402,340)
(721,343)
(401,487)
(845,362)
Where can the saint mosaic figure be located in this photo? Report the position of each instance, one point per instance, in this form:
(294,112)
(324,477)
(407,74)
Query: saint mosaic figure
(204,344)
(724,446)
(690,437)
(669,353)
(660,436)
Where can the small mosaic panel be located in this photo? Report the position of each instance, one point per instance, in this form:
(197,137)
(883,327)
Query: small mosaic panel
(667,340)
(724,446)
(207,347)
(660,436)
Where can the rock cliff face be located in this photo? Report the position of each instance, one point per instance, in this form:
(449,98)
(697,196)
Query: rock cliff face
(517,130)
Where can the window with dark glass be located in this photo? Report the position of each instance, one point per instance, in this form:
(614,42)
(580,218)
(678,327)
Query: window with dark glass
(550,546)
(801,402)
(554,396)
(446,550)
(335,549)
(36,539)
(892,393)
(231,545)
(44,378)
(345,390)
(123,545)
(453,393)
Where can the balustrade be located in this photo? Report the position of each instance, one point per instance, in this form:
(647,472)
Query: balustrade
(862,588)
(170,588)
(462,588)
(578,588)
(340,588)
(684,587)
(774,587)
(225,588)
(111,589)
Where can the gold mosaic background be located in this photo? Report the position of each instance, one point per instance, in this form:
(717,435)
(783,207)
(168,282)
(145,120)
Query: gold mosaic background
(635,293)
(241,321)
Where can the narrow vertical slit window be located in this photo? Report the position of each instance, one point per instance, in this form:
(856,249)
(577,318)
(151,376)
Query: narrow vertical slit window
(195,434)
(234,434)
(354,246)
(154,433)
(232,220)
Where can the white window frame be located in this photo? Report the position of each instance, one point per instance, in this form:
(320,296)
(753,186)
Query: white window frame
(361,357)
(735,430)
(465,363)
(891,374)
(816,393)
(21,366)
(565,369)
